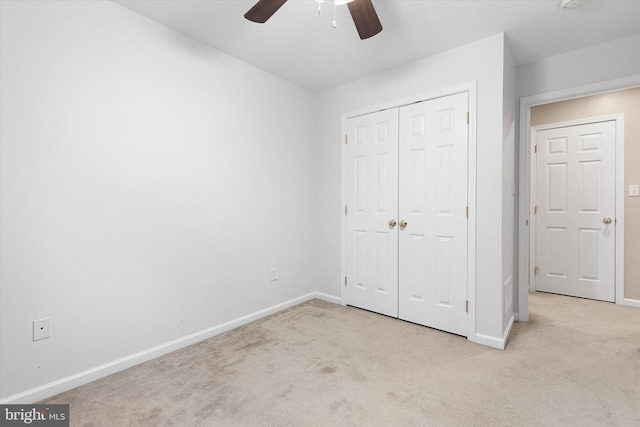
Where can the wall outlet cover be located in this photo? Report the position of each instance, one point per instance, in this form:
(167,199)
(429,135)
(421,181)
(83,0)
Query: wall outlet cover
(41,328)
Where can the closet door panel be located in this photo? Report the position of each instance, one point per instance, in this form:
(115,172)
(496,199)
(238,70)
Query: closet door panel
(372,201)
(433,148)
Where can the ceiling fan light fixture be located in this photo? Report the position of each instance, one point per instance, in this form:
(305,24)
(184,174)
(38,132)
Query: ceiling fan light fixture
(362,12)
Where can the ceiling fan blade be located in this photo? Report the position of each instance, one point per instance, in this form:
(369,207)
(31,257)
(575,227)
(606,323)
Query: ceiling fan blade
(365,18)
(263,10)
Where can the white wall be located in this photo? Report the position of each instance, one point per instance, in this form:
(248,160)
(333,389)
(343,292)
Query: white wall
(599,63)
(481,61)
(148,184)
(509,244)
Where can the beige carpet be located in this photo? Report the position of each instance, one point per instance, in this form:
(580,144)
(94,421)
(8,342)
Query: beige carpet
(576,363)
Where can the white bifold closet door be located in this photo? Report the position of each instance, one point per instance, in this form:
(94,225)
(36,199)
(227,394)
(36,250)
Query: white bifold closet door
(433,202)
(411,255)
(372,202)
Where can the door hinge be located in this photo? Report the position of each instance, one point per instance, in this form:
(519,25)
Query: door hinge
(535,148)
(345,209)
(535,210)
(467,117)
(467,212)
(345,280)
(466,308)
(346,139)
(536,270)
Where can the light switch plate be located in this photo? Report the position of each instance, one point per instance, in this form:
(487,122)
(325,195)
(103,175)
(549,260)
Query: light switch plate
(634,190)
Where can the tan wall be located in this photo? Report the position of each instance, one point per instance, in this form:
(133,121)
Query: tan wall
(627,102)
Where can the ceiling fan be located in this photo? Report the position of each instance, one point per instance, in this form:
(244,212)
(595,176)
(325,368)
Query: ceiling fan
(362,12)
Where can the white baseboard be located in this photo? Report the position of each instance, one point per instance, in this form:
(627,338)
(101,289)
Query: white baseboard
(507,332)
(495,342)
(59,386)
(488,340)
(631,302)
(328,298)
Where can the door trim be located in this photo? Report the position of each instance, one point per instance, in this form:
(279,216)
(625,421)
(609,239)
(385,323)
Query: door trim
(524,149)
(471,89)
(619,197)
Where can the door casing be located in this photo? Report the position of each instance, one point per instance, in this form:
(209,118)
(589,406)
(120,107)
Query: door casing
(471,89)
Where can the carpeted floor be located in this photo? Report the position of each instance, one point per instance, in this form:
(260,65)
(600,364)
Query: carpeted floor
(576,363)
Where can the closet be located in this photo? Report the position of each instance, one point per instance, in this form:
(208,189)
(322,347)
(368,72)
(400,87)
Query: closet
(407,212)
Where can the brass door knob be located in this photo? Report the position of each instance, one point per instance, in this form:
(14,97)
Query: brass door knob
(403,223)
(392,223)
(607,220)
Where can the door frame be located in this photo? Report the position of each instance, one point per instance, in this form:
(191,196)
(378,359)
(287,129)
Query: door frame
(619,197)
(524,162)
(471,89)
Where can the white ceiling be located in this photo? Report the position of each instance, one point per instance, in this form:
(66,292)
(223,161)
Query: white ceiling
(302,47)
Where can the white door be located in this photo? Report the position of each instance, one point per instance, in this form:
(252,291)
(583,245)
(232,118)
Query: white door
(433,202)
(575,220)
(372,200)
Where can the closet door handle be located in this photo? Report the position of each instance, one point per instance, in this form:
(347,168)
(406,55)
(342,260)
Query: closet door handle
(607,220)
(403,223)
(392,223)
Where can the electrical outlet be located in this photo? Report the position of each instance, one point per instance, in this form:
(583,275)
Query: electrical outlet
(41,328)
(274,274)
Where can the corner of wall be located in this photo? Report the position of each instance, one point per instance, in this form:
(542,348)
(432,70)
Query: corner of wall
(509,185)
